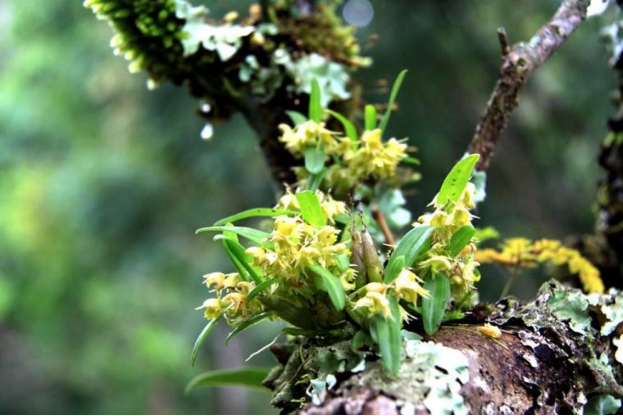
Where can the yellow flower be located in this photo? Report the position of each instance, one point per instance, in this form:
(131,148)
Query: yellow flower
(437,264)
(236,302)
(467,198)
(407,286)
(306,134)
(212,308)
(231,280)
(375,158)
(375,287)
(258,254)
(217,279)
(374,302)
(522,252)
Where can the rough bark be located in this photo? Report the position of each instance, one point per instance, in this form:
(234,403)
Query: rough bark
(518,63)
(546,361)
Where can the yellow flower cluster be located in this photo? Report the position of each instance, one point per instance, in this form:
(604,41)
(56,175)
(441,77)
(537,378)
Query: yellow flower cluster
(448,219)
(522,252)
(330,207)
(375,157)
(366,158)
(406,287)
(231,298)
(308,134)
(296,245)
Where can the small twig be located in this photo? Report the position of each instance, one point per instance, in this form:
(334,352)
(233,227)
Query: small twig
(380,219)
(518,64)
(503,38)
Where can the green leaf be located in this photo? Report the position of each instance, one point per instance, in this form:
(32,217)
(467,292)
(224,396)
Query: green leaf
(314,158)
(243,259)
(259,288)
(460,239)
(255,212)
(392,99)
(410,247)
(289,312)
(604,404)
(244,275)
(315,102)
(296,117)
(240,377)
(386,334)
(411,161)
(434,307)
(248,233)
(370,117)
(203,336)
(456,181)
(332,285)
(247,324)
(349,128)
(395,267)
(311,210)
(315,180)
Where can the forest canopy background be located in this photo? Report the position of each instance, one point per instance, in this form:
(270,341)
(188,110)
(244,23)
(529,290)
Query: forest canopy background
(102,184)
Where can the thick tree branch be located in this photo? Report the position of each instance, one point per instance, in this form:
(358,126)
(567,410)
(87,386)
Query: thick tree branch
(518,63)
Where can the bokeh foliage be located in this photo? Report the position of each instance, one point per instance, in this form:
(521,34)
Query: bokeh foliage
(102,184)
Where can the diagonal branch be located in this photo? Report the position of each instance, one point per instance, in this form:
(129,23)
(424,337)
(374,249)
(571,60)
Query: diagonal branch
(518,64)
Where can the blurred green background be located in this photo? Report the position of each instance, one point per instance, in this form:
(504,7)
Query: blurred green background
(103,183)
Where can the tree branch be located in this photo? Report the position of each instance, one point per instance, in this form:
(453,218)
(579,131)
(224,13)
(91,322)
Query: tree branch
(517,65)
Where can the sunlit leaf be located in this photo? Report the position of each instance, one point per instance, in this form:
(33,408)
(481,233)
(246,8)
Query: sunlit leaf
(386,334)
(411,161)
(394,267)
(460,239)
(410,247)
(370,117)
(203,336)
(248,233)
(247,324)
(392,99)
(456,181)
(315,102)
(255,212)
(434,307)
(311,210)
(241,377)
(314,158)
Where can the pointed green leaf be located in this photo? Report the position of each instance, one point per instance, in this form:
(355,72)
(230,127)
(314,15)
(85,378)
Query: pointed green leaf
(456,181)
(349,128)
(392,99)
(460,239)
(386,334)
(315,100)
(241,377)
(370,117)
(314,158)
(203,336)
(410,247)
(255,212)
(314,181)
(248,233)
(296,117)
(332,285)
(244,275)
(259,288)
(434,307)
(247,324)
(243,259)
(311,210)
